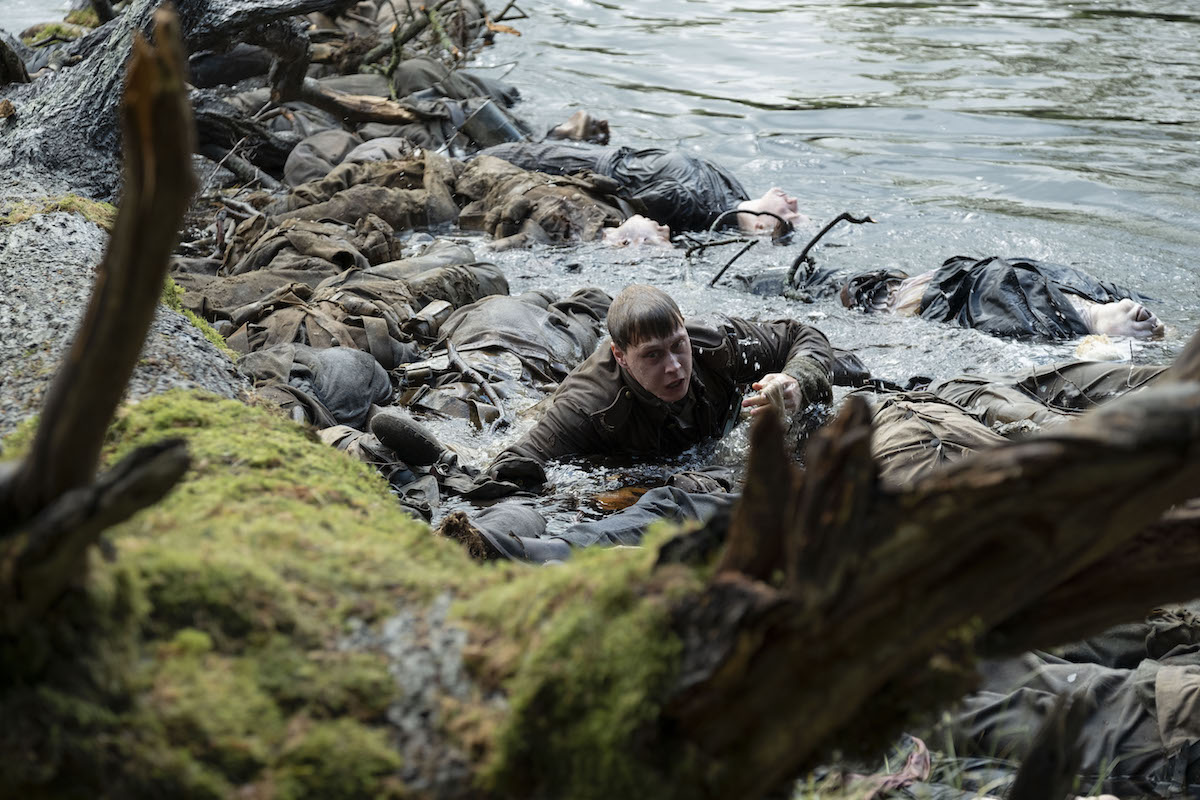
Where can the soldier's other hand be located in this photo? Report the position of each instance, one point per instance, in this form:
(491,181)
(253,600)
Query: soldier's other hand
(777,389)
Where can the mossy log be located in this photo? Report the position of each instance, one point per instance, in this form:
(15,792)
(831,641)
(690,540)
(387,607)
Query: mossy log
(873,591)
(276,627)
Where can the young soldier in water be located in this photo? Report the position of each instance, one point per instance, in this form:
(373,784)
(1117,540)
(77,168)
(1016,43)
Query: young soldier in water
(659,387)
(663,385)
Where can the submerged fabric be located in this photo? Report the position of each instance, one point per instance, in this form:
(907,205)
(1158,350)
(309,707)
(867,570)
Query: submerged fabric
(551,338)
(918,432)
(516,530)
(1014,297)
(1142,730)
(421,74)
(671,187)
(1047,395)
(344,383)
(508,199)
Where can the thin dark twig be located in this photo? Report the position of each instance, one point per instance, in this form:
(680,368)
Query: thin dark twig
(469,372)
(699,246)
(729,263)
(787,226)
(511,4)
(803,257)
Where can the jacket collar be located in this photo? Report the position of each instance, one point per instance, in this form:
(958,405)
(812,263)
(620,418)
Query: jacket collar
(632,394)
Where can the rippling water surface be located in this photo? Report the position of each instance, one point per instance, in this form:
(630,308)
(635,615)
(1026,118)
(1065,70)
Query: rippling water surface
(17,15)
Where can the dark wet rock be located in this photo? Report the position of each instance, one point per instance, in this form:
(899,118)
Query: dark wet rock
(47,266)
(12,65)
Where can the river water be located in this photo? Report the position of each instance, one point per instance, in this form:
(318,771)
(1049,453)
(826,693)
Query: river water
(1052,130)
(17,15)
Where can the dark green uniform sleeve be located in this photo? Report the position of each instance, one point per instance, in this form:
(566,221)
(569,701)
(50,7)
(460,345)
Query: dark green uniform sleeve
(786,346)
(564,430)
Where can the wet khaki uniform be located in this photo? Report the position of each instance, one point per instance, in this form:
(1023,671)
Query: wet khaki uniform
(601,410)
(917,432)
(1142,731)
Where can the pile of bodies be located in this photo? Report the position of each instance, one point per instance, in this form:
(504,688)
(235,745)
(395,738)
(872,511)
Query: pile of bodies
(350,330)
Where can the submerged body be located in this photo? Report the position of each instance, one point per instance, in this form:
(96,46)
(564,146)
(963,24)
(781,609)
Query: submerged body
(1016,298)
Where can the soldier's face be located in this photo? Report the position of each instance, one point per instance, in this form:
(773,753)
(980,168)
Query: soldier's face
(662,366)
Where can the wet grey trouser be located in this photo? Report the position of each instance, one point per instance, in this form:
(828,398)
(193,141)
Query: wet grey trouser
(518,531)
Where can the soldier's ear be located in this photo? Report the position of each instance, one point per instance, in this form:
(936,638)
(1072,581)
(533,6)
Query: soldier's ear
(619,355)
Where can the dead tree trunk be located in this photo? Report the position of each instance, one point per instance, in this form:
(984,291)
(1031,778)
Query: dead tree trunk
(64,133)
(53,511)
(1011,545)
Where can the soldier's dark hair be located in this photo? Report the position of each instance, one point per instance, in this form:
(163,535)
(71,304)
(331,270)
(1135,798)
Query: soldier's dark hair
(641,312)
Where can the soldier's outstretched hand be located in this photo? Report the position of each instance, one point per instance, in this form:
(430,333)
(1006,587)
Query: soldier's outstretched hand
(775,389)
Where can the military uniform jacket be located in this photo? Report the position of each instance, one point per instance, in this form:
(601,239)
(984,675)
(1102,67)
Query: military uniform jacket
(599,409)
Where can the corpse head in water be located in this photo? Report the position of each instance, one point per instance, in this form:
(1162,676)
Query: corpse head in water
(776,202)
(638,230)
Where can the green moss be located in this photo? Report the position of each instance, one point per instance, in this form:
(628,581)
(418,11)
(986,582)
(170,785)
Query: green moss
(263,490)
(48,32)
(17,443)
(103,214)
(212,706)
(171,298)
(326,684)
(204,661)
(585,651)
(225,596)
(86,17)
(339,761)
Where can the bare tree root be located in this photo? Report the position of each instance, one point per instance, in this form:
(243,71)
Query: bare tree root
(841,609)
(53,507)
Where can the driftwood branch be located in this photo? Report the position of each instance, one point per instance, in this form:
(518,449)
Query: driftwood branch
(356,107)
(52,509)
(1158,565)
(805,259)
(246,172)
(53,545)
